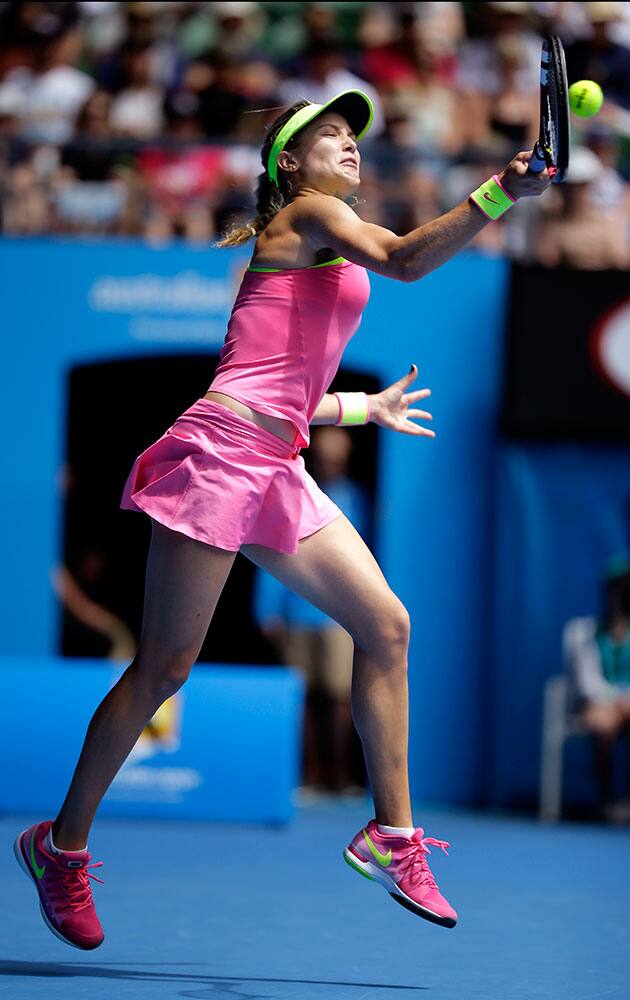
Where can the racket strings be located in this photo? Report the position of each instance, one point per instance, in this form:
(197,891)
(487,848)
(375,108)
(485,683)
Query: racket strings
(554,86)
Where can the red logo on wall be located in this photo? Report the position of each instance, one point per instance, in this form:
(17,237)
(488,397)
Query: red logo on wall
(610,347)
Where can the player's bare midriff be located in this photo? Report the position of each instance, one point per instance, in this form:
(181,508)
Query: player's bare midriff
(282,428)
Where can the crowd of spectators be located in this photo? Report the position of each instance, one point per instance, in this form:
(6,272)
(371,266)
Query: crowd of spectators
(146,119)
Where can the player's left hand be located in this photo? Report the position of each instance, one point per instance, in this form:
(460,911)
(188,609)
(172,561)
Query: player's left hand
(390,407)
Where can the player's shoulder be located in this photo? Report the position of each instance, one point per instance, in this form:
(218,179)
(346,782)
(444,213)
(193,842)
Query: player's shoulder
(317,206)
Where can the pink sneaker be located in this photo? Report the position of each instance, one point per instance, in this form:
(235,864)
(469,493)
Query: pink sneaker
(400,865)
(65,894)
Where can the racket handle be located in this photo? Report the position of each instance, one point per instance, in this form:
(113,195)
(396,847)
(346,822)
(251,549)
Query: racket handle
(537,163)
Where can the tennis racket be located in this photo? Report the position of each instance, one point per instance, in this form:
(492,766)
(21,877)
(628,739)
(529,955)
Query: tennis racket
(552,148)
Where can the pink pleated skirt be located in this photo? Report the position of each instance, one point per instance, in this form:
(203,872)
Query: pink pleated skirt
(226,481)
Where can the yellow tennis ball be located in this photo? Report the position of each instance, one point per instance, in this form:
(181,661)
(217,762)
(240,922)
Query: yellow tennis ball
(586,98)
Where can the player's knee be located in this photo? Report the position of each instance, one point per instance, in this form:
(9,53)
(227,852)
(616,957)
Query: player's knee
(400,624)
(389,636)
(165,673)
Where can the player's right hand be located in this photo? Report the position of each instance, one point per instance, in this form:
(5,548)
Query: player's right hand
(521,182)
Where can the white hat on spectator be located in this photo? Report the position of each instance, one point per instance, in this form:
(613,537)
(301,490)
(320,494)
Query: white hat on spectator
(584,166)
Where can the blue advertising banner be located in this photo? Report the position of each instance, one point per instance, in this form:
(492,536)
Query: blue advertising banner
(226,747)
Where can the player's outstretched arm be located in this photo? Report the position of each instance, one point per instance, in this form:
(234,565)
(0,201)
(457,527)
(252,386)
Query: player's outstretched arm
(327,221)
(387,408)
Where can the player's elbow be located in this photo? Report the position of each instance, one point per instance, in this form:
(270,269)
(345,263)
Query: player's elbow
(399,264)
(396,270)
(405,273)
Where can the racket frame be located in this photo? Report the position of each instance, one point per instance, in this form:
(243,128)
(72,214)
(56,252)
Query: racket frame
(542,157)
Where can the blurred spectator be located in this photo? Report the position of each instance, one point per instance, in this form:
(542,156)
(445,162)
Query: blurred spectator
(182,120)
(91,154)
(234,28)
(239,26)
(292,27)
(600,667)
(26,207)
(84,588)
(81,205)
(107,110)
(442,25)
(311,641)
(183,186)
(323,75)
(506,116)
(429,105)
(580,233)
(406,191)
(258,83)
(94,118)
(235,201)
(599,57)
(481,63)
(105,29)
(220,95)
(90,629)
(394,43)
(48,95)
(136,110)
(214,81)
(26,27)
(610,192)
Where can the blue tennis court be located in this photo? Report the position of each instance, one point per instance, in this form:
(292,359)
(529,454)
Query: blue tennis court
(210,910)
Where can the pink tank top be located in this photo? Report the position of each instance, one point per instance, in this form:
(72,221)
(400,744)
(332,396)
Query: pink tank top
(286,335)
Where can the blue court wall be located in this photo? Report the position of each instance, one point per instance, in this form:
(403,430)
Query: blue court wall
(225,747)
(69,302)
(562,511)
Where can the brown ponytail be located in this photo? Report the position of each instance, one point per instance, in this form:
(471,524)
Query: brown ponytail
(269,198)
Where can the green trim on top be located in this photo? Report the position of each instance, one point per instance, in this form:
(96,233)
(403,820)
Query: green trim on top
(327,263)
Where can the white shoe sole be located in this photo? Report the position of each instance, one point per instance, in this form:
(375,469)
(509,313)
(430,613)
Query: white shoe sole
(19,857)
(376,874)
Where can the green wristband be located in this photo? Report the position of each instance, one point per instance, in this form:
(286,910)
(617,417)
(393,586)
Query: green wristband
(492,198)
(354,408)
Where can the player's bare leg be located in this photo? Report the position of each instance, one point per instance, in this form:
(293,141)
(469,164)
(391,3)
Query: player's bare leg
(184,579)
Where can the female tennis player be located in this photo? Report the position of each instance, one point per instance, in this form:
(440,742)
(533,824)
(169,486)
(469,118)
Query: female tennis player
(227,476)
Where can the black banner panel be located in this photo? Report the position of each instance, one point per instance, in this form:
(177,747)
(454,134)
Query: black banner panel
(567,373)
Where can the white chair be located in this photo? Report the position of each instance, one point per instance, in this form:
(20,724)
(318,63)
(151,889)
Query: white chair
(560,721)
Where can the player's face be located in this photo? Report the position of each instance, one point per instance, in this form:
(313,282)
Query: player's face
(328,156)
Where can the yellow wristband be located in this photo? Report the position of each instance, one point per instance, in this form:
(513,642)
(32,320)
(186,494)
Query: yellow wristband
(354,408)
(492,198)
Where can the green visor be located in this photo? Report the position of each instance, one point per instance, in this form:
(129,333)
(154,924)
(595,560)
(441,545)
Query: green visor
(355,106)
